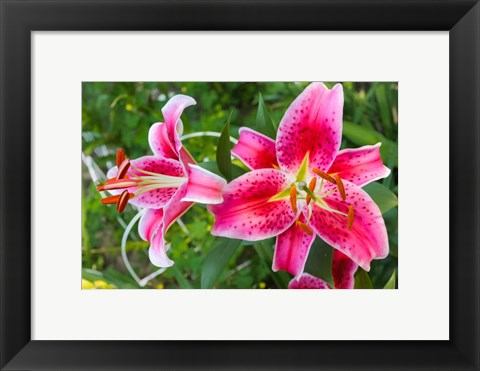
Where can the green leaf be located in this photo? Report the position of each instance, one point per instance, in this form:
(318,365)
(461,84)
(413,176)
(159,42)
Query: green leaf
(224,157)
(264,249)
(181,280)
(383,197)
(362,136)
(391,282)
(384,106)
(362,280)
(217,259)
(264,122)
(319,261)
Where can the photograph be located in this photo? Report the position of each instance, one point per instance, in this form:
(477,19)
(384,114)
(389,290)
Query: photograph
(240,185)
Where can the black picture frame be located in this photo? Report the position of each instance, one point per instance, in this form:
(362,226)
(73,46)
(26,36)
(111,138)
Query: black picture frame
(18,18)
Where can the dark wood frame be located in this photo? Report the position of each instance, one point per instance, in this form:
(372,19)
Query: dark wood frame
(19,17)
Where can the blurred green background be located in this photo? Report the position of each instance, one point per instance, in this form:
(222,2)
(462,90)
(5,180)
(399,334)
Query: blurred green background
(119,115)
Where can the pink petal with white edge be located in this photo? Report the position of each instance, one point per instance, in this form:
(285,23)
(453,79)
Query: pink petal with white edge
(150,229)
(154,225)
(155,198)
(366,240)
(291,249)
(255,150)
(164,138)
(160,142)
(312,124)
(247,212)
(307,281)
(203,186)
(360,165)
(343,269)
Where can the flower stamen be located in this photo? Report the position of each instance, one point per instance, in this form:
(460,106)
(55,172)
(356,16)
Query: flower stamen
(123,168)
(122,201)
(304,228)
(350,217)
(311,187)
(119,184)
(324,175)
(120,157)
(340,187)
(293,198)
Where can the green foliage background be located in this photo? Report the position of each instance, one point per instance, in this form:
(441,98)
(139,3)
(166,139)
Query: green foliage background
(119,115)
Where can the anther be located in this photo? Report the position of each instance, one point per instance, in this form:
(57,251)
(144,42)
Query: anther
(340,187)
(324,175)
(119,184)
(120,157)
(350,217)
(123,168)
(311,187)
(122,201)
(110,200)
(293,198)
(304,228)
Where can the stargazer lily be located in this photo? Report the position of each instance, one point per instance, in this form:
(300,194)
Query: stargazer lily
(301,185)
(343,269)
(167,183)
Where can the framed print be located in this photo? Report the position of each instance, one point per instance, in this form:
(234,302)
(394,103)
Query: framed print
(260,150)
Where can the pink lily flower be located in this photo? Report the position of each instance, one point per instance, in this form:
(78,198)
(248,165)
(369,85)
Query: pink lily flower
(301,185)
(343,270)
(167,183)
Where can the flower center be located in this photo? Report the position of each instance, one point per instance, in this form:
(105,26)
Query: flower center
(142,181)
(300,191)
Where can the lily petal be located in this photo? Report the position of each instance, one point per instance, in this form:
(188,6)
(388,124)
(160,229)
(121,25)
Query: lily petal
(360,165)
(204,186)
(164,138)
(366,240)
(154,225)
(150,229)
(307,281)
(255,150)
(291,249)
(248,213)
(343,269)
(312,124)
(158,197)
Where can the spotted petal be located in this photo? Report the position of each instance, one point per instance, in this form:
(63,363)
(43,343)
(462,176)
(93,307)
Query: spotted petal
(164,138)
(307,281)
(154,225)
(291,249)
(366,240)
(248,212)
(312,124)
(255,150)
(204,186)
(158,197)
(343,269)
(150,229)
(360,165)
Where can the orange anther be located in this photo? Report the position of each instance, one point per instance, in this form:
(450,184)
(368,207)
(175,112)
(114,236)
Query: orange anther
(311,187)
(122,201)
(120,157)
(110,200)
(304,228)
(293,198)
(324,175)
(340,187)
(119,184)
(123,168)
(350,217)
